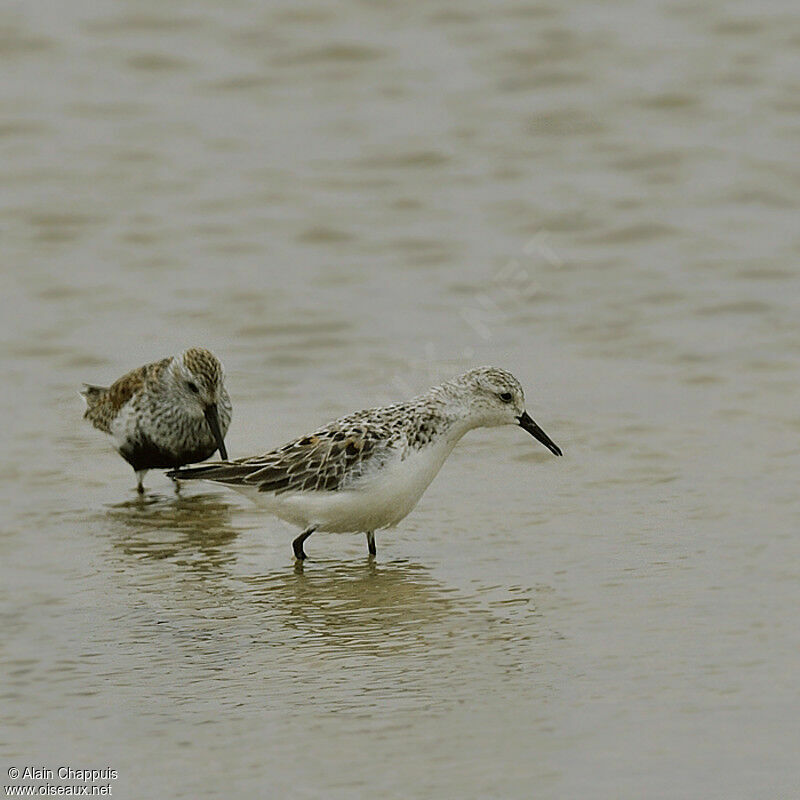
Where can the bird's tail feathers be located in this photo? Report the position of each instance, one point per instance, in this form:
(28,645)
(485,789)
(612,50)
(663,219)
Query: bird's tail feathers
(222,471)
(91,394)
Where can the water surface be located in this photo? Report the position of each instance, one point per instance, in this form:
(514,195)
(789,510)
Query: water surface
(348,202)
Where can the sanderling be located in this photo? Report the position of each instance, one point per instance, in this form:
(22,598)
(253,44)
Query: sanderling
(366,471)
(167,414)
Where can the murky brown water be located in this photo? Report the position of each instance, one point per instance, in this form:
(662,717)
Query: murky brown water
(347,202)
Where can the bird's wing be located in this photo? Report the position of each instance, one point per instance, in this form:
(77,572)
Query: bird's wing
(103,404)
(335,457)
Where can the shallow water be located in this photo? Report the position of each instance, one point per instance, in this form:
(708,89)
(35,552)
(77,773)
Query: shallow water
(348,202)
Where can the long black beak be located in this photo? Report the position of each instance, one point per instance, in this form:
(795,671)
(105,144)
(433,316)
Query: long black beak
(212,418)
(527,424)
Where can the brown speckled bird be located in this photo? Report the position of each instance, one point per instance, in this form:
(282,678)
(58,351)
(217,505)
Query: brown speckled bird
(164,415)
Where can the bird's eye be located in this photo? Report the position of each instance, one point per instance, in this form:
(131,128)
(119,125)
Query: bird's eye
(193,387)
(505,397)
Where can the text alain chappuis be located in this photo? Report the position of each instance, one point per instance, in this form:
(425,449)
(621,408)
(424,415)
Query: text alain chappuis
(85,782)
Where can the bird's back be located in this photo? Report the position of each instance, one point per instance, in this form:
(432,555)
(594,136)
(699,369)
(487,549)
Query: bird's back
(104,403)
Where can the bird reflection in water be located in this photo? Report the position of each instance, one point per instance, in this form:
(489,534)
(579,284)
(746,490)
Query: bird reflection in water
(196,529)
(366,607)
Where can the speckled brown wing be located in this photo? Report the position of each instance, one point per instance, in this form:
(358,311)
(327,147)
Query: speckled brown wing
(330,459)
(104,404)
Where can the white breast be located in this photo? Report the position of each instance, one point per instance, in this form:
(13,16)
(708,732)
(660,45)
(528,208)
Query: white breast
(123,426)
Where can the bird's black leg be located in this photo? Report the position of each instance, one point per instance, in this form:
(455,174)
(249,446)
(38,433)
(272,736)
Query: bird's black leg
(140,473)
(371,543)
(297,544)
(176,485)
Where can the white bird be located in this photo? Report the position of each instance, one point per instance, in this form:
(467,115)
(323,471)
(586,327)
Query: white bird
(366,471)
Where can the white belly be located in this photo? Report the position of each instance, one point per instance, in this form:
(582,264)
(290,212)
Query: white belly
(380,501)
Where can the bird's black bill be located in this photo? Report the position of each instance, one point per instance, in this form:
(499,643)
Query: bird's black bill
(527,424)
(212,418)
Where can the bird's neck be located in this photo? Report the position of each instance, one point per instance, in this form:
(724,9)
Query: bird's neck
(445,413)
